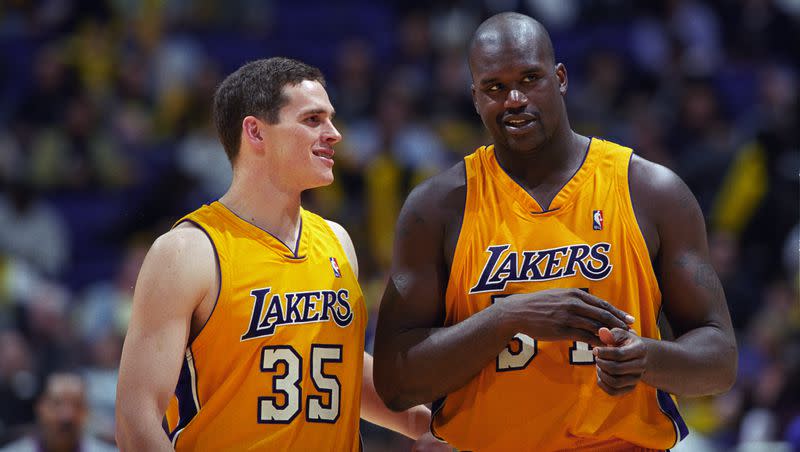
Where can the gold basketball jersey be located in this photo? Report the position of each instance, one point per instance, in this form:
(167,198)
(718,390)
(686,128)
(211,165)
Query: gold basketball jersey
(543,396)
(278,364)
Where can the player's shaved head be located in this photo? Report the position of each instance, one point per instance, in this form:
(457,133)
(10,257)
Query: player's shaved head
(511,30)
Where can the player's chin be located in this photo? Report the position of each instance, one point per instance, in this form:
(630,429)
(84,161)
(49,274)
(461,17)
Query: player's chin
(523,144)
(323,179)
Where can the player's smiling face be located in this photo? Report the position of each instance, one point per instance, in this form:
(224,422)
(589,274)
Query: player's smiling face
(517,91)
(304,136)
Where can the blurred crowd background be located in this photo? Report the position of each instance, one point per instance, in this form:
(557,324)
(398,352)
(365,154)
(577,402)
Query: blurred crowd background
(106,140)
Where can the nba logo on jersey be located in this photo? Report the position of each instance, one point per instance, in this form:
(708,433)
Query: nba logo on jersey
(597,220)
(335,266)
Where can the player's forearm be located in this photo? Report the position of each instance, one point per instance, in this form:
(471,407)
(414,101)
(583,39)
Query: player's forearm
(135,435)
(136,430)
(701,362)
(418,366)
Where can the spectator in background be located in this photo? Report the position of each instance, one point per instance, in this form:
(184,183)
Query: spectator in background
(19,383)
(60,417)
(105,306)
(597,102)
(101,377)
(46,322)
(701,139)
(54,82)
(31,230)
(355,79)
(81,154)
(199,155)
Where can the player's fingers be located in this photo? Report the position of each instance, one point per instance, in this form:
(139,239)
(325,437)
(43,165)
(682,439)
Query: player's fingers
(614,391)
(612,353)
(617,384)
(619,368)
(602,317)
(588,324)
(577,334)
(606,306)
(606,336)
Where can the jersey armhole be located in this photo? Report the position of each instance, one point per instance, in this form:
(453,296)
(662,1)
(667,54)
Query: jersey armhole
(340,245)
(467,229)
(632,223)
(221,282)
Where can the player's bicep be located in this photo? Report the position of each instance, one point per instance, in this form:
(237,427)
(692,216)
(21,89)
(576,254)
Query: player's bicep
(691,289)
(171,283)
(415,290)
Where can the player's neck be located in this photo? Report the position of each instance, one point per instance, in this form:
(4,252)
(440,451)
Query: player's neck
(266,205)
(552,164)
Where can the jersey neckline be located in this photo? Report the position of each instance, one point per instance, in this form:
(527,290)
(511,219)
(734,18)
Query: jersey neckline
(564,196)
(300,251)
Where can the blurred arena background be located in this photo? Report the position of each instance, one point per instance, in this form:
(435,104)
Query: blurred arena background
(105,140)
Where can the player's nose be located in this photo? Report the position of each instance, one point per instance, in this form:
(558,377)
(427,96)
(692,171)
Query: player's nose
(331,134)
(515,99)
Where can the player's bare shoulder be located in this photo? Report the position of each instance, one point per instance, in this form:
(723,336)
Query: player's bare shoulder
(660,199)
(433,212)
(184,243)
(445,191)
(181,263)
(657,186)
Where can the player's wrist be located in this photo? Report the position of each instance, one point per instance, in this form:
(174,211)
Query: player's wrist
(506,320)
(651,347)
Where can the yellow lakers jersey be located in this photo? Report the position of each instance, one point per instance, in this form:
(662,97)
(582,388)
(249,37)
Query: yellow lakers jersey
(543,396)
(278,364)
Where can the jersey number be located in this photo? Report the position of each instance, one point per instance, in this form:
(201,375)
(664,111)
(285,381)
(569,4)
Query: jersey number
(288,385)
(523,348)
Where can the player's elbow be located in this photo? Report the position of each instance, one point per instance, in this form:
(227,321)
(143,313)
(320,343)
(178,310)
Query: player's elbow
(729,369)
(386,392)
(721,368)
(397,403)
(397,398)
(138,423)
(388,385)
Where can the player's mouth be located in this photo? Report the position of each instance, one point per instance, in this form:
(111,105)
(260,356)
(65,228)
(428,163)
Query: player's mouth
(520,123)
(324,154)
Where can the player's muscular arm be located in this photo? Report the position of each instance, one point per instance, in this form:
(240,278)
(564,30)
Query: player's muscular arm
(416,359)
(702,359)
(175,277)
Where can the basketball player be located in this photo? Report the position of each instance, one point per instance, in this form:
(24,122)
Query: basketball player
(249,310)
(523,296)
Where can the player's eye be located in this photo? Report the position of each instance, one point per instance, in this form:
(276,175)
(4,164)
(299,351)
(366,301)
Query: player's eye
(313,120)
(494,88)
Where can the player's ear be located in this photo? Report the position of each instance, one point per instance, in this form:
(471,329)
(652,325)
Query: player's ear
(252,130)
(474,101)
(561,75)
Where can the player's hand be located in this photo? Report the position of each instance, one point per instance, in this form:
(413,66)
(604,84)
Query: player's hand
(621,362)
(429,443)
(564,314)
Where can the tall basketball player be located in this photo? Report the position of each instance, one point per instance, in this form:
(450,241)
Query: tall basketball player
(524,298)
(248,320)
